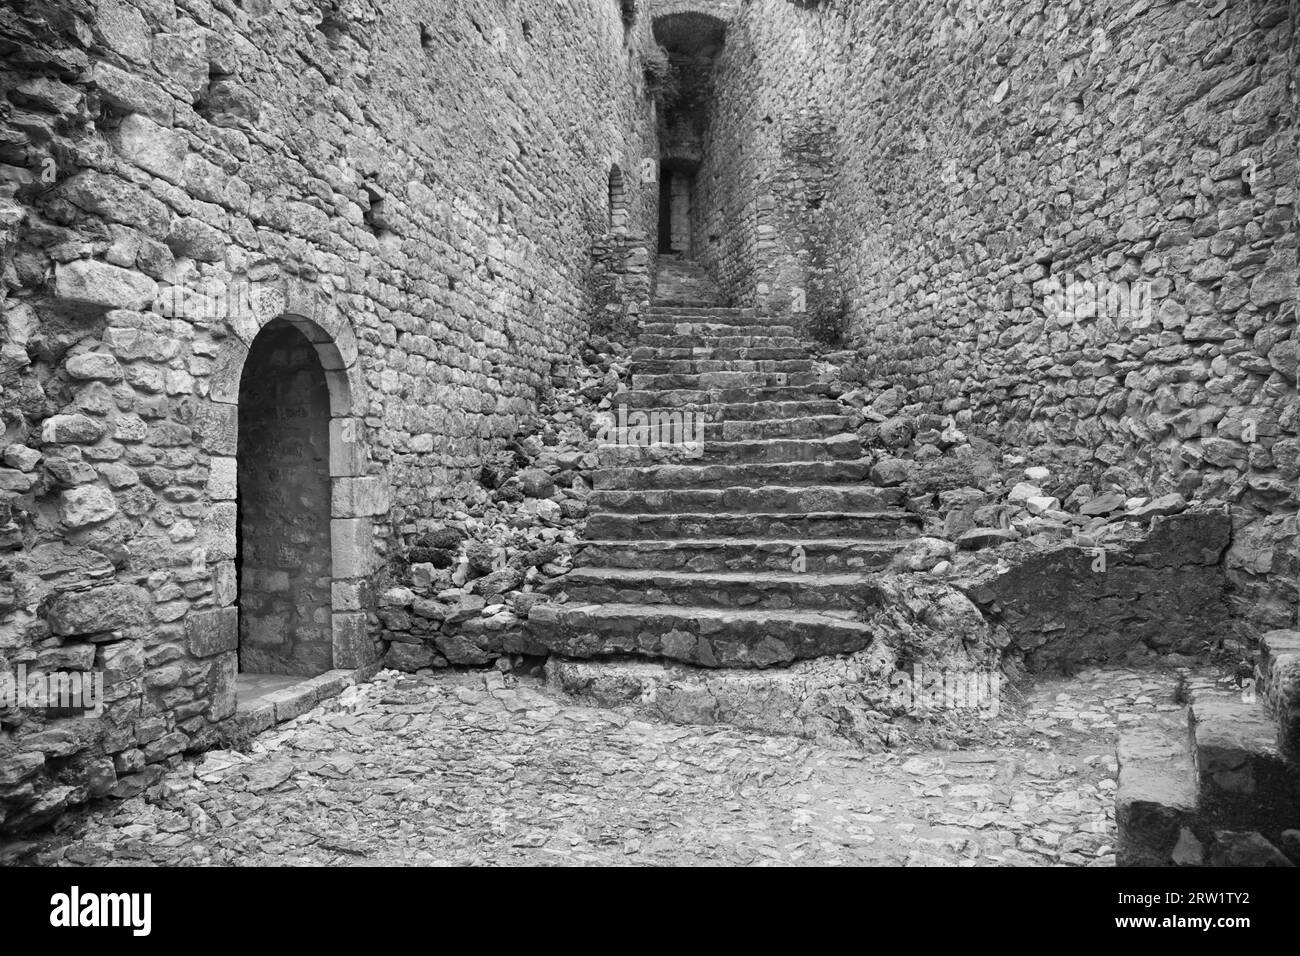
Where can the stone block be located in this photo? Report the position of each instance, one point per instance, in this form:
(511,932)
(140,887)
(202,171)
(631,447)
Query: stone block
(155,149)
(352,547)
(353,646)
(107,608)
(359,497)
(86,282)
(208,633)
(223,479)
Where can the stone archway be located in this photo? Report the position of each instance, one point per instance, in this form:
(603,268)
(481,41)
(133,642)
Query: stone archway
(296,317)
(283,562)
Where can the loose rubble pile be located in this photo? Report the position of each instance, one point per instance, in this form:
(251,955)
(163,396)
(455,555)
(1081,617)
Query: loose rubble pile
(1080,567)
(461,593)
(975,497)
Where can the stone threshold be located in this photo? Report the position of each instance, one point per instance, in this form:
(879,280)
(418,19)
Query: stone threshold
(265,700)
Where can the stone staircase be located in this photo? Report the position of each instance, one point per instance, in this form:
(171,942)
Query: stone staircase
(1220,785)
(751,548)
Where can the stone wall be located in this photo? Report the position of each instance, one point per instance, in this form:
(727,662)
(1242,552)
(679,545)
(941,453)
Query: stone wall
(415,186)
(1069,226)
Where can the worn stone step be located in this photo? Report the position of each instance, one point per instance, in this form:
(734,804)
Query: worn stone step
(693,366)
(1155,800)
(720,342)
(646,353)
(735,589)
(713,476)
(740,500)
(829,524)
(813,426)
(708,380)
(833,448)
(715,329)
(707,637)
(1243,780)
(743,554)
(694,313)
(754,411)
(678,397)
(666,425)
(1278,682)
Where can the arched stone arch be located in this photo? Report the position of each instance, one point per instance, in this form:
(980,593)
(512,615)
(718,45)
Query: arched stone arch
(357,496)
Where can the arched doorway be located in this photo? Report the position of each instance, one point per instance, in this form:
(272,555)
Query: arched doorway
(270,404)
(617,200)
(284,549)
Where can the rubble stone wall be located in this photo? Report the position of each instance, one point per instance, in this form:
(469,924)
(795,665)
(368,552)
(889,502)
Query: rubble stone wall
(415,185)
(1069,226)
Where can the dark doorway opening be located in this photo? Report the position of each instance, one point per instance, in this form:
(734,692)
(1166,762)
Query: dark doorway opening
(665,213)
(284,558)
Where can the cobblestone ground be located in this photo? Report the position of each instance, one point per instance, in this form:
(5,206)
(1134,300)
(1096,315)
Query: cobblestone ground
(489,769)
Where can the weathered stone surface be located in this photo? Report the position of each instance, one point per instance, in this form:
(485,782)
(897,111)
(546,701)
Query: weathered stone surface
(1065,604)
(97,609)
(92,283)
(977,538)
(86,505)
(208,633)
(96,366)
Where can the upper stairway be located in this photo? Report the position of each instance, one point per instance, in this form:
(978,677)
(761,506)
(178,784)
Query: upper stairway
(745,539)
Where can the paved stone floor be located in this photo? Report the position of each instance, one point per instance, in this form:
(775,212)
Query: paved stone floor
(483,768)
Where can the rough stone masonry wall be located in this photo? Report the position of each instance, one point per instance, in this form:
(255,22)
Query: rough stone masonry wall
(982,151)
(416,185)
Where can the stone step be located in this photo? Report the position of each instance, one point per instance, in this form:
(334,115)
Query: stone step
(714,412)
(720,342)
(825,524)
(833,448)
(1278,681)
(709,380)
(1243,780)
(707,637)
(693,366)
(817,555)
(678,397)
(706,476)
(1155,801)
(714,330)
(727,589)
(676,426)
(814,426)
(696,313)
(688,296)
(741,500)
(643,353)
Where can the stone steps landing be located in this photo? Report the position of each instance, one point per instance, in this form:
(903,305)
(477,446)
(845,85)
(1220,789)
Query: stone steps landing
(1220,785)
